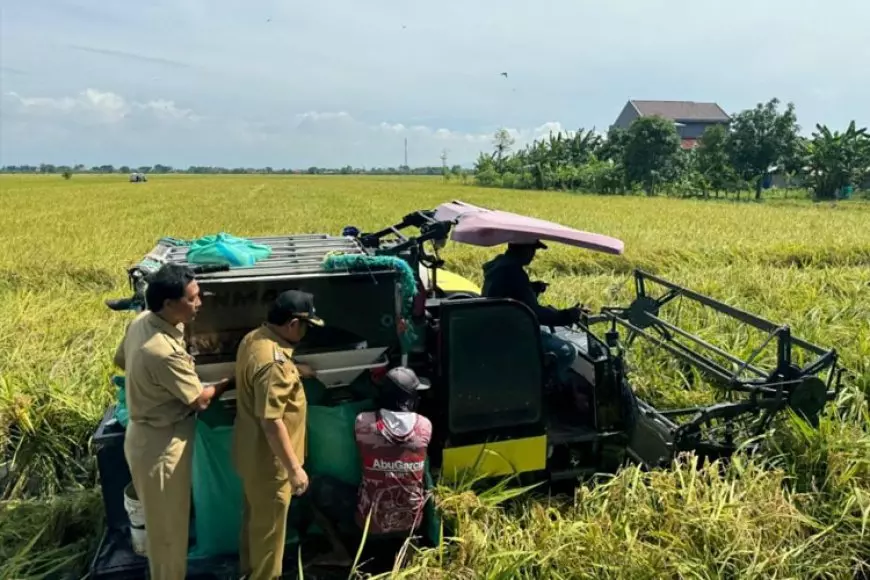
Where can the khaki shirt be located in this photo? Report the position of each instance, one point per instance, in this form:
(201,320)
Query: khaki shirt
(160,376)
(268,386)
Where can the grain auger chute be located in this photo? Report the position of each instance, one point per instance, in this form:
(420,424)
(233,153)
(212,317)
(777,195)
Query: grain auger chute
(755,388)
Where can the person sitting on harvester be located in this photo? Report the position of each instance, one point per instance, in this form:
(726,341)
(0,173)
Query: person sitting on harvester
(393,443)
(504,277)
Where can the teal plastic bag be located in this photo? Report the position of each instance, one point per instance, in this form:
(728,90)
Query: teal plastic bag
(217,488)
(217,492)
(218,499)
(122,414)
(332,449)
(226,249)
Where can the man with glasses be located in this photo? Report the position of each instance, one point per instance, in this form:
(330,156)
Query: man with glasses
(269,432)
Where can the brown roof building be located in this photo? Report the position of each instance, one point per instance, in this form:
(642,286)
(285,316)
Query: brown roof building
(691,118)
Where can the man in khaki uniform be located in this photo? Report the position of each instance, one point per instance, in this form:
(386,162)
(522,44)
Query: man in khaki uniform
(269,432)
(163,394)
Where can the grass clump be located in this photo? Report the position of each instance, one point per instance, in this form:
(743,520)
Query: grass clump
(49,538)
(802,513)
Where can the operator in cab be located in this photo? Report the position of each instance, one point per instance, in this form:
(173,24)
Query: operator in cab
(505,277)
(163,395)
(393,443)
(269,439)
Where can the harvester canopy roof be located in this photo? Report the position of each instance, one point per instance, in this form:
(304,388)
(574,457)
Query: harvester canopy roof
(486,227)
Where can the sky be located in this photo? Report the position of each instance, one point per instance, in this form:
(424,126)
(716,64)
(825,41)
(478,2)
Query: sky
(344,82)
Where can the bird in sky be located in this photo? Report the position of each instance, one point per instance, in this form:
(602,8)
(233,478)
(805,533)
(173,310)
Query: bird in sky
(504,74)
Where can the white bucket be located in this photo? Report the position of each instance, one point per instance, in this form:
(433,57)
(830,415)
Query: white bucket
(137,520)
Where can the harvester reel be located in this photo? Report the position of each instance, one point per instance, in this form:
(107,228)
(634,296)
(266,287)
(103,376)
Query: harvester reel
(808,398)
(642,314)
(751,403)
(640,309)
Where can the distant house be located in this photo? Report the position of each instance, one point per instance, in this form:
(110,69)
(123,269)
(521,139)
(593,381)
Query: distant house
(691,118)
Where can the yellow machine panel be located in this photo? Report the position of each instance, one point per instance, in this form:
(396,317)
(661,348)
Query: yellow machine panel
(498,458)
(450,282)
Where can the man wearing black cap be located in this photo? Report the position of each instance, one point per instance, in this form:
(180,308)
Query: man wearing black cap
(504,277)
(393,442)
(269,431)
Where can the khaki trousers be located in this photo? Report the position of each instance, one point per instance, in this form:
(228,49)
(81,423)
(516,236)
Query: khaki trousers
(160,460)
(264,526)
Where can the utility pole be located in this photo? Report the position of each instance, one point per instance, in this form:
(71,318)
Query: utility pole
(444,163)
(407,169)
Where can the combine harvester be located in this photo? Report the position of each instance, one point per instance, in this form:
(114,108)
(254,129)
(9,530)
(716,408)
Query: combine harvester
(387,301)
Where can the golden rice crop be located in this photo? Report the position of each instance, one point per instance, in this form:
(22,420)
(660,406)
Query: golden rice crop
(64,247)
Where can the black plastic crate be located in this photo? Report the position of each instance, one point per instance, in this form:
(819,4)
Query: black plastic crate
(113,470)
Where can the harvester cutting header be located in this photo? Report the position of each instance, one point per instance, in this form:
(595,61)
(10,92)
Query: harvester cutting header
(509,392)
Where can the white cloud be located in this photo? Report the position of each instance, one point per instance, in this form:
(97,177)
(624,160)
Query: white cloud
(92,106)
(157,130)
(167,110)
(317,116)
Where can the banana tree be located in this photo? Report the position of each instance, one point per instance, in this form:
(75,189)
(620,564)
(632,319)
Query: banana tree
(837,160)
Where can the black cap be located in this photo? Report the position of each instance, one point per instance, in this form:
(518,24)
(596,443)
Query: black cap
(298,304)
(406,379)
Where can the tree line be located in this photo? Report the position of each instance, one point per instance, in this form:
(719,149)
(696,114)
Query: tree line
(758,144)
(213,170)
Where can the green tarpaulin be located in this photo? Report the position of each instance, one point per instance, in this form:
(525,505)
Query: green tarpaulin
(226,249)
(332,450)
(217,492)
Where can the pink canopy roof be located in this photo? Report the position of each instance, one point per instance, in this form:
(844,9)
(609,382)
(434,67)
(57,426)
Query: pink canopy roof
(485,227)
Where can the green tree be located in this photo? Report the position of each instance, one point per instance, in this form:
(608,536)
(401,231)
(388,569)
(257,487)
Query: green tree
(837,159)
(651,152)
(762,138)
(713,162)
(502,142)
(613,147)
(484,170)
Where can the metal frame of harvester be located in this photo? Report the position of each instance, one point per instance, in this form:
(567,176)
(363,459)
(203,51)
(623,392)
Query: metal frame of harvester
(754,402)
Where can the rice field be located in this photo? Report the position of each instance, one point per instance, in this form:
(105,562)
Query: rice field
(64,247)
